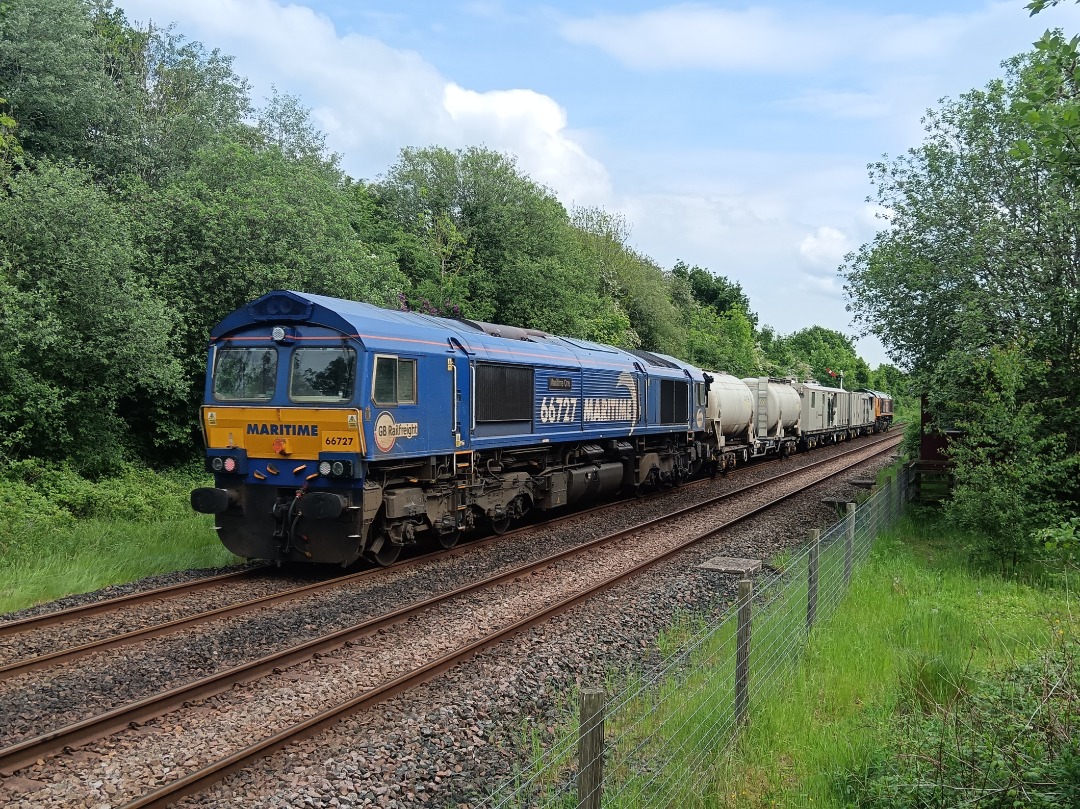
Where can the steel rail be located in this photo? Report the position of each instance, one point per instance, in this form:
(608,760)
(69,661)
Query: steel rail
(38,662)
(23,753)
(113,604)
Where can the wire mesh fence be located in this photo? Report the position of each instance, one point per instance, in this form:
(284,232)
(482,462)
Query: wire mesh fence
(656,742)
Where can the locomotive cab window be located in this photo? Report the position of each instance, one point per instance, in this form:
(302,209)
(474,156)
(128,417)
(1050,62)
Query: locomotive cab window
(245,374)
(394,381)
(322,374)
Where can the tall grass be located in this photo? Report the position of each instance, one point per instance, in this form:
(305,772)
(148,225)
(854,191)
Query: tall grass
(839,721)
(918,630)
(61,534)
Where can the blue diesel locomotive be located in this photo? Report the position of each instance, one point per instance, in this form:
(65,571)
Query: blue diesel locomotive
(337,430)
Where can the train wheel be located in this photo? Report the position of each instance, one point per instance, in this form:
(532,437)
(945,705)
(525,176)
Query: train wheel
(450,538)
(500,525)
(382,551)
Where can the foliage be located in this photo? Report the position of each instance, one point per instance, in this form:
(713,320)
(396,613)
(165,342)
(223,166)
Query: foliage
(714,291)
(53,495)
(632,287)
(1049,100)
(1062,542)
(721,342)
(1008,466)
(1006,741)
(823,355)
(974,287)
(84,335)
(918,634)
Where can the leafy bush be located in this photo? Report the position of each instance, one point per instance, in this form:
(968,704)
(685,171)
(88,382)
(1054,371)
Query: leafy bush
(1061,543)
(39,494)
(1009,741)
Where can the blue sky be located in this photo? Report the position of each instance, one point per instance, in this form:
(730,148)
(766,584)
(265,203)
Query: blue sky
(731,135)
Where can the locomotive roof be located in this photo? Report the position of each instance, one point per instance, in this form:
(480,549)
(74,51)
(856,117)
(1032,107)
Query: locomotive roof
(395,331)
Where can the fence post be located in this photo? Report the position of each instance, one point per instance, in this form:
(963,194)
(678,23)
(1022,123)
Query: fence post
(742,653)
(849,543)
(590,780)
(812,579)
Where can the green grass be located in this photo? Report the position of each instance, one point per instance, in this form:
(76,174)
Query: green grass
(918,630)
(61,534)
(94,554)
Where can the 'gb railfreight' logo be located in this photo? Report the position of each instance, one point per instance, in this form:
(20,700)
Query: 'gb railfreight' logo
(387,431)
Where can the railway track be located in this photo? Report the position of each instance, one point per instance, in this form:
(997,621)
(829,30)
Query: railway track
(62,618)
(16,756)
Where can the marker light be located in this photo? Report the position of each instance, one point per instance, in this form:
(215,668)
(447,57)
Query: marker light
(216,464)
(278,334)
(230,464)
(324,469)
(338,469)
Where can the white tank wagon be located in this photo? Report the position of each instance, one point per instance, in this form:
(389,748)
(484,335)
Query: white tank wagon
(777,415)
(729,412)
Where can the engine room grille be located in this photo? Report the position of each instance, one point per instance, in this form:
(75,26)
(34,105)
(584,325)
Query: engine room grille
(503,393)
(674,402)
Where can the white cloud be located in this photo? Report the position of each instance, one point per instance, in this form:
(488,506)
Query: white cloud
(829,285)
(693,35)
(825,248)
(765,40)
(844,105)
(371,99)
(532,127)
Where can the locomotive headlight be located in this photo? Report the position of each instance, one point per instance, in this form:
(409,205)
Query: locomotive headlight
(278,334)
(325,468)
(229,464)
(216,464)
(338,469)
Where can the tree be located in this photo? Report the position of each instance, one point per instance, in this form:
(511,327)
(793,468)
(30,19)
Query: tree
(722,343)
(978,265)
(478,238)
(239,223)
(51,75)
(826,352)
(715,291)
(1010,469)
(628,283)
(87,350)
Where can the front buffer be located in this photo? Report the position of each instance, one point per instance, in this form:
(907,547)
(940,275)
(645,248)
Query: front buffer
(288,482)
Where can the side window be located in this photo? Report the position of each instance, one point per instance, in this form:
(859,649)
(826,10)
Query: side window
(394,382)
(813,399)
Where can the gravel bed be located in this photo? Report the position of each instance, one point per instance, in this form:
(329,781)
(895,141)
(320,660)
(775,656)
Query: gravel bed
(130,618)
(449,742)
